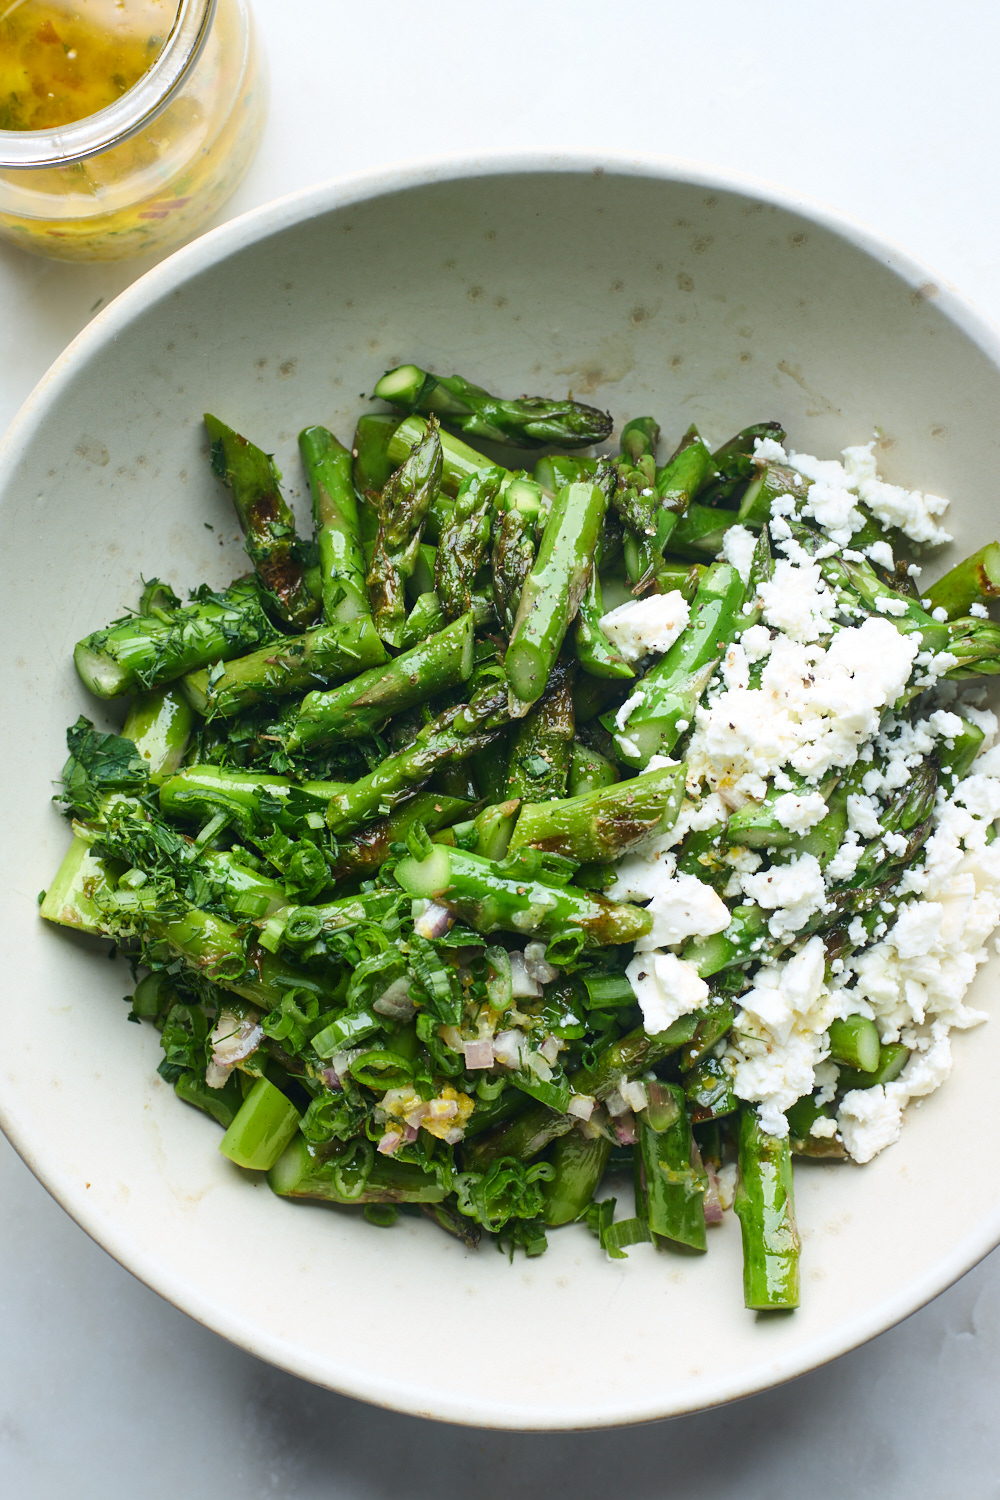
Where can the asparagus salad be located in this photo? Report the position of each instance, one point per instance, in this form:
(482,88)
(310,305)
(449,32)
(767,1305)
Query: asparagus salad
(525,828)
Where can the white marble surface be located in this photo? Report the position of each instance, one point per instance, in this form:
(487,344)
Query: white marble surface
(883,108)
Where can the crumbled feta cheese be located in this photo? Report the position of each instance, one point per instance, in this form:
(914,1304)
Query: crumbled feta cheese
(847,858)
(813,710)
(642,626)
(945,725)
(881,553)
(666,988)
(887,606)
(797,602)
(735,668)
(862,816)
(835,510)
(738,547)
(781,1034)
(979,611)
(914,513)
(683,907)
(767,451)
(799,814)
(756,642)
(629,707)
(869,1121)
(792,893)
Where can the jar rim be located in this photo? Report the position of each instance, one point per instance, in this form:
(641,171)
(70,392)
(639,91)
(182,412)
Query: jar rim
(20,149)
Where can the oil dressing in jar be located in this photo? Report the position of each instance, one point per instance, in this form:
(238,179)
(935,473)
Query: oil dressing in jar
(124,124)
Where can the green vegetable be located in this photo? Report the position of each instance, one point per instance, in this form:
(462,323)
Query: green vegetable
(528,422)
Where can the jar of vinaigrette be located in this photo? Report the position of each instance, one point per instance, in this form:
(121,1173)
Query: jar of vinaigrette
(124,124)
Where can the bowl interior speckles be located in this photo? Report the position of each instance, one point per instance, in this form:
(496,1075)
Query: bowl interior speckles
(642,287)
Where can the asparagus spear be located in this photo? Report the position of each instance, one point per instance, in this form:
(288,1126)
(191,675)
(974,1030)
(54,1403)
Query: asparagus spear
(363,705)
(294,665)
(553,471)
(676,485)
(349,1175)
(337,527)
(578,1162)
(854,1043)
(268,524)
(589,770)
(464,541)
(402,509)
(801,1118)
(766,1210)
(975,580)
(159,724)
(261,1129)
(892,1058)
(634,494)
(513,557)
(250,800)
(674,1187)
(453,736)
(541,746)
(369,848)
(532,421)
(553,590)
(594,651)
(144,651)
(488,900)
(672,688)
(371,465)
(605,824)
(700,532)
(734,462)
(458,461)
(487,834)
(771,481)
(708,1089)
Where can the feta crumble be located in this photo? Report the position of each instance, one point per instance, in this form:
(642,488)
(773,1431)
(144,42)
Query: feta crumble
(641,627)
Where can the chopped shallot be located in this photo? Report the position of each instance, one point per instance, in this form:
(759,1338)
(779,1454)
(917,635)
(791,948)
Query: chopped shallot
(581,1106)
(536,964)
(216,1077)
(634,1094)
(522,986)
(389,1142)
(624,1127)
(478,1054)
(233,1039)
(712,1203)
(509,1048)
(434,921)
(551,1048)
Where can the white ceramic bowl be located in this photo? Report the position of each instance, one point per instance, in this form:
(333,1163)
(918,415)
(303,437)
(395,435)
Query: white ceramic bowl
(643,286)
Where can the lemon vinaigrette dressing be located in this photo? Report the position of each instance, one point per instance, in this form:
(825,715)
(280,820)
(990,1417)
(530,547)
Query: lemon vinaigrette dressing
(60,62)
(172,153)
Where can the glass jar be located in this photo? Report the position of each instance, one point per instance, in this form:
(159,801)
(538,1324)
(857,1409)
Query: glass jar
(152,167)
